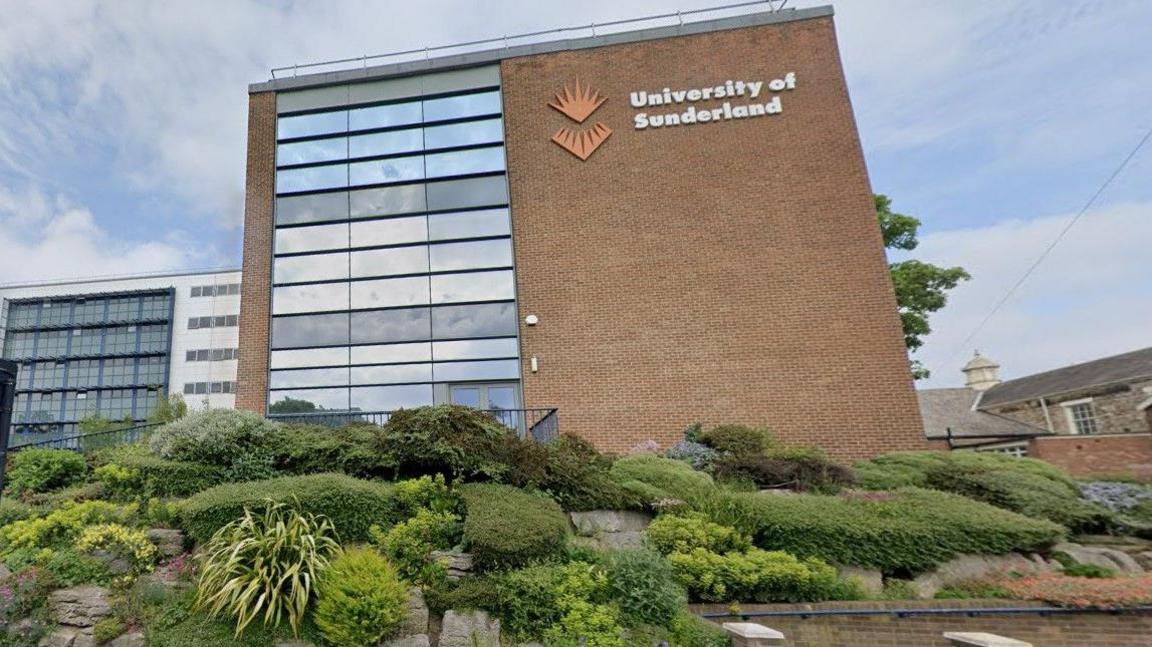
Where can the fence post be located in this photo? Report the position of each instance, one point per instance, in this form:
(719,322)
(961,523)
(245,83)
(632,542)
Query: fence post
(7,393)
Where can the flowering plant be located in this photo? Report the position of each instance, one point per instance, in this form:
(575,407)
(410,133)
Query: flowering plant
(21,593)
(1083,592)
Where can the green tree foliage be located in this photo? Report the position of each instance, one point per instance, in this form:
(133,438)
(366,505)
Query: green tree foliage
(293,405)
(921,288)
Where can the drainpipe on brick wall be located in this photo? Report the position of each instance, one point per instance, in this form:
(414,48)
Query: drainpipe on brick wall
(1047,417)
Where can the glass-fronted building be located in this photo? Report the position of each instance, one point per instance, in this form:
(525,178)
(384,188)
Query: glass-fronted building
(393,283)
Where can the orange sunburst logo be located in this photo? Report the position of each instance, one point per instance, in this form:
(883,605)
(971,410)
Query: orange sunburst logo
(578,105)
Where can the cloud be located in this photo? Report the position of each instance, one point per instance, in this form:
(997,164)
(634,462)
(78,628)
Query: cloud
(1090,298)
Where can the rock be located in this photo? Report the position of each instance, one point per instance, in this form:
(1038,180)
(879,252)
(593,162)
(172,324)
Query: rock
(134,639)
(870,579)
(1099,556)
(79,606)
(459,564)
(169,542)
(292,642)
(116,565)
(419,640)
(416,620)
(69,637)
(974,567)
(22,628)
(469,629)
(620,540)
(589,524)
(1145,559)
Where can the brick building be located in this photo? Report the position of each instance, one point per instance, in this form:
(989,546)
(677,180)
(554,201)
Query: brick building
(640,229)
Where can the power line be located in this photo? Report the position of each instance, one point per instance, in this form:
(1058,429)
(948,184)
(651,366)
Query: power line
(1052,245)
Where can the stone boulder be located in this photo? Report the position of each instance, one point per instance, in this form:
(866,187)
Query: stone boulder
(419,640)
(973,567)
(169,542)
(69,637)
(459,564)
(1101,556)
(416,620)
(469,629)
(79,606)
(595,522)
(130,639)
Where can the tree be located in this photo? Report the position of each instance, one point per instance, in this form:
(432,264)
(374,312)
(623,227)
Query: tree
(169,409)
(293,405)
(921,288)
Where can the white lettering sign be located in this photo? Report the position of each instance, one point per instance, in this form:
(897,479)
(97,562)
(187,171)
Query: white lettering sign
(754,106)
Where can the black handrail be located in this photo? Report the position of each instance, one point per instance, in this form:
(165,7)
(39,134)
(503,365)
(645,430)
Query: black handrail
(89,441)
(541,425)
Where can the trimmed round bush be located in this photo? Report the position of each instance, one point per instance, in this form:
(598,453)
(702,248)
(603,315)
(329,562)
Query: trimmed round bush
(644,586)
(42,470)
(234,440)
(447,439)
(683,533)
(352,505)
(660,478)
(571,471)
(360,599)
(911,469)
(797,468)
(754,576)
(506,527)
(313,449)
(738,439)
(131,472)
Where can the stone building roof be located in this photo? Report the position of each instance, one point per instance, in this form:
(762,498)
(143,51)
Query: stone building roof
(1108,370)
(942,409)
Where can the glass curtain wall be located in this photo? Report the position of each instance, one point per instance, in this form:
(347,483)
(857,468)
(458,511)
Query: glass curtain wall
(393,269)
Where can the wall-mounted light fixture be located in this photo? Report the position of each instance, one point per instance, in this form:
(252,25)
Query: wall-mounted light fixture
(531,320)
(534,364)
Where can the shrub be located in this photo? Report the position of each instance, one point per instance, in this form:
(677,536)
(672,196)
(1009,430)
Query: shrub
(425,493)
(665,478)
(507,527)
(131,472)
(799,468)
(445,439)
(123,542)
(571,471)
(41,470)
(684,533)
(690,630)
(1081,592)
(70,567)
(738,439)
(903,469)
(410,543)
(643,584)
(586,624)
(913,529)
(107,629)
(24,593)
(754,576)
(360,599)
(532,599)
(698,455)
(352,505)
(234,440)
(61,526)
(312,449)
(13,510)
(477,592)
(265,564)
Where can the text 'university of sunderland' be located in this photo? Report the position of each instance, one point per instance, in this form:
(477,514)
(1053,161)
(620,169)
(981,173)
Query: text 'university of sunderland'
(723,112)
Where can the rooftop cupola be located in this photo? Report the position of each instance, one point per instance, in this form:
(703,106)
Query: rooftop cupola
(981,373)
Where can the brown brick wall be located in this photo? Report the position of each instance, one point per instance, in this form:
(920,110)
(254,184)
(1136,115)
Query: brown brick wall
(721,272)
(1123,454)
(255,295)
(1095,629)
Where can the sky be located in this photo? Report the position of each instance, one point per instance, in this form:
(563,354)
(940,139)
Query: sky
(122,140)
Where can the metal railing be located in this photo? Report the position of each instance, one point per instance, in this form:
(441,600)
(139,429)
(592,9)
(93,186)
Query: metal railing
(541,425)
(90,441)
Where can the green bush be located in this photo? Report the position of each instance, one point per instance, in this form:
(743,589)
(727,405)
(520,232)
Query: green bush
(682,533)
(41,470)
(904,469)
(360,599)
(131,472)
(586,624)
(457,441)
(71,567)
(644,586)
(235,441)
(477,592)
(912,529)
(267,564)
(533,599)
(738,439)
(661,478)
(755,576)
(570,470)
(352,505)
(13,510)
(798,468)
(62,526)
(409,544)
(312,449)
(506,527)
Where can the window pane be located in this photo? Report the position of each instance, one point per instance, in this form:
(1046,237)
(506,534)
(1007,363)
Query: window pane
(309,377)
(395,141)
(310,239)
(391,374)
(314,267)
(311,208)
(461,194)
(466,256)
(474,286)
(396,114)
(389,232)
(309,357)
(332,399)
(390,398)
(309,298)
(467,105)
(468,397)
(396,169)
(317,150)
(475,349)
(388,200)
(468,224)
(312,330)
(317,124)
(508,369)
(390,325)
(384,293)
(396,260)
(481,320)
(390,353)
(465,134)
(477,160)
(312,178)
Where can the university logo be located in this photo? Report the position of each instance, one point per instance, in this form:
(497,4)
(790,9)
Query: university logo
(578,105)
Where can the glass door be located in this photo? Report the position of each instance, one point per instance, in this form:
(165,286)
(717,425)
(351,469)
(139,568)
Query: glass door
(501,399)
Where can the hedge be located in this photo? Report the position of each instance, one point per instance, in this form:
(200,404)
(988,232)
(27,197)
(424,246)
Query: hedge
(910,530)
(506,527)
(902,469)
(42,470)
(352,505)
(655,477)
(143,474)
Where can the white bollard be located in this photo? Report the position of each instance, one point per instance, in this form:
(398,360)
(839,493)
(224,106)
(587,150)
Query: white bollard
(980,639)
(750,634)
